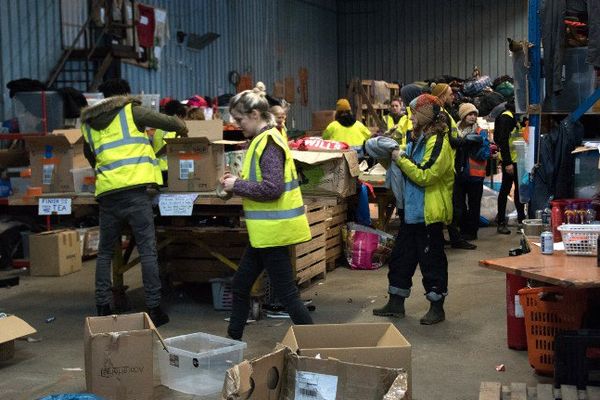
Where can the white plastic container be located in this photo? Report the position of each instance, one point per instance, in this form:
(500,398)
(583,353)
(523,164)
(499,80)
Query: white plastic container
(79,181)
(196,363)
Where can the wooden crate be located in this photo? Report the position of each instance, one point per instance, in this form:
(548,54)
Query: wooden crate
(337,217)
(308,258)
(520,391)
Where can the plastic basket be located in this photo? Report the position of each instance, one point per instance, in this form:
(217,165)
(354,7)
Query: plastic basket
(580,240)
(222,294)
(548,312)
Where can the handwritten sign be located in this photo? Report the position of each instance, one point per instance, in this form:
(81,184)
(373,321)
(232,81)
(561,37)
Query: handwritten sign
(48,206)
(176,204)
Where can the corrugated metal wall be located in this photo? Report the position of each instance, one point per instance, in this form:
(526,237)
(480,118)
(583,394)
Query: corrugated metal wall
(413,40)
(30,43)
(271,39)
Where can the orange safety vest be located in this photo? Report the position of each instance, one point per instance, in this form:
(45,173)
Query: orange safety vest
(477,167)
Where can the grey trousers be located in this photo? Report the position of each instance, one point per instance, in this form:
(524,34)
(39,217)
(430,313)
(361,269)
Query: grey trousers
(133,207)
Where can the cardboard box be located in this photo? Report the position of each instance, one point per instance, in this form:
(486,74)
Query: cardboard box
(195,164)
(12,328)
(211,129)
(89,239)
(53,157)
(379,344)
(118,352)
(283,375)
(320,119)
(327,172)
(54,253)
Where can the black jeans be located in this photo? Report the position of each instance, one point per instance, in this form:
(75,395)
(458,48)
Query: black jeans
(507,182)
(422,245)
(133,207)
(469,224)
(276,260)
(458,209)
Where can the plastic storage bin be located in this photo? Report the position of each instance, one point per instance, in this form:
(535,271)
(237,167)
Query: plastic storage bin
(28,110)
(578,85)
(196,363)
(221,293)
(587,174)
(548,312)
(84,180)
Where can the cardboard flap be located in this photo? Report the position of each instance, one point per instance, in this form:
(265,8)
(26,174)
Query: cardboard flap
(212,129)
(72,135)
(352,160)
(12,328)
(156,332)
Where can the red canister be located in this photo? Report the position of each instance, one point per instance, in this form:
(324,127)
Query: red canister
(516,336)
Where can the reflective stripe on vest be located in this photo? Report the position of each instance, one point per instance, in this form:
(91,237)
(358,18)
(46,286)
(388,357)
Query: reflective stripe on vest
(124,155)
(278,222)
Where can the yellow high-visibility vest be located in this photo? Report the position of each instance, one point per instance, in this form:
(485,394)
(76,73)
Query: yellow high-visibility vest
(124,155)
(403,129)
(514,135)
(158,142)
(279,222)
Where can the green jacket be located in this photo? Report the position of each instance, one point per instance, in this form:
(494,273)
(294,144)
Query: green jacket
(435,173)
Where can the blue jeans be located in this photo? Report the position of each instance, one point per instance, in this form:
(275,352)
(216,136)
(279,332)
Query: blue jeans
(133,207)
(276,260)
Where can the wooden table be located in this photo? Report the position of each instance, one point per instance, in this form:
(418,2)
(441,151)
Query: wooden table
(557,269)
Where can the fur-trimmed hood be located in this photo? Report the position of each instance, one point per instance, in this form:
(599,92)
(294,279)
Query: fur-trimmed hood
(100,115)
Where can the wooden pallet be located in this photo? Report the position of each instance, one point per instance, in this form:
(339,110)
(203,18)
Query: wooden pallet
(308,258)
(337,218)
(520,391)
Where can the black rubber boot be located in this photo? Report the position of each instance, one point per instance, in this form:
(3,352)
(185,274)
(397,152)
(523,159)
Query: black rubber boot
(158,316)
(435,314)
(503,229)
(393,308)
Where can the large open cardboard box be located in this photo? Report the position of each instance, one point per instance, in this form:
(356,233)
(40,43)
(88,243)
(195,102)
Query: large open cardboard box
(53,157)
(379,344)
(119,360)
(283,375)
(327,172)
(11,328)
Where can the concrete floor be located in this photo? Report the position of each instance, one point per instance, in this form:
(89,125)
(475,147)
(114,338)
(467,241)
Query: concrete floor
(449,360)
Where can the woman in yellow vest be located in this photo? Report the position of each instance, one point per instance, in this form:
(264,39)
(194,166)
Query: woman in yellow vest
(346,128)
(273,208)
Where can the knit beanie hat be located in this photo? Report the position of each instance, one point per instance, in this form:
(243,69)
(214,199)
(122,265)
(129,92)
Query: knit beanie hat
(410,92)
(466,109)
(342,105)
(425,108)
(438,89)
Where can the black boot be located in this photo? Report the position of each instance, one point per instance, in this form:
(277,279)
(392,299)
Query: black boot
(158,316)
(393,308)
(103,310)
(502,229)
(435,314)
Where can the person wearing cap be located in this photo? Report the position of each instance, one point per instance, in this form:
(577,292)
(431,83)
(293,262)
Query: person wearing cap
(171,108)
(444,92)
(117,147)
(428,168)
(472,153)
(392,120)
(506,131)
(346,128)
